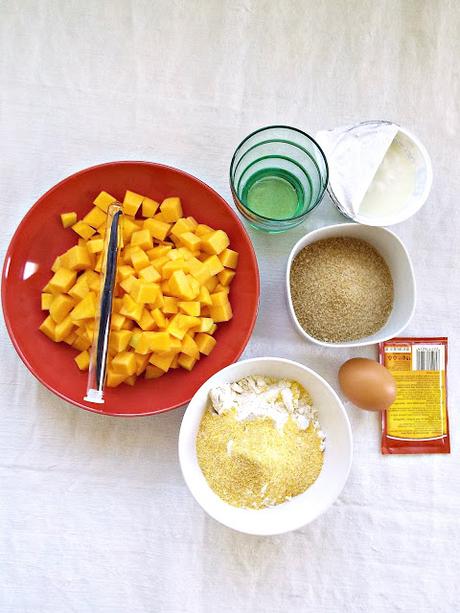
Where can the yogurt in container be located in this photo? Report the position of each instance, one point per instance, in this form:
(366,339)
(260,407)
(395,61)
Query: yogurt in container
(380,173)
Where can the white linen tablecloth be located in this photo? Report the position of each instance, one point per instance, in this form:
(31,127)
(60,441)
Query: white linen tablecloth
(94,514)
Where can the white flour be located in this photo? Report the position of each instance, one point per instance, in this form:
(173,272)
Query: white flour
(258,396)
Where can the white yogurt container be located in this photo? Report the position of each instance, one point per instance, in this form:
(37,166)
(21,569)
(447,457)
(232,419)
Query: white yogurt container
(380,173)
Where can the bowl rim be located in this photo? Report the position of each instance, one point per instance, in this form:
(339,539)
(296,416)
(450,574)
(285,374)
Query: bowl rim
(15,237)
(192,415)
(317,233)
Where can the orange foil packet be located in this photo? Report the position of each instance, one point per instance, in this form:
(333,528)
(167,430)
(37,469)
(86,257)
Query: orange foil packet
(417,421)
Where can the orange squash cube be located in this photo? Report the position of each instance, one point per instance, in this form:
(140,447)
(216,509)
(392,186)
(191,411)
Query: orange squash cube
(153,372)
(124,363)
(158,229)
(103,201)
(149,207)
(46,300)
(186,361)
(171,209)
(205,343)
(214,242)
(61,281)
(142,239)
(162,360)
(95,218)
(48,327)
(226,277)
(229,258)
(61,307)
(68,219)
(189,308)
(131,203)
(119,340)
(83,230)
(221,312)
(82,360)
(150,274)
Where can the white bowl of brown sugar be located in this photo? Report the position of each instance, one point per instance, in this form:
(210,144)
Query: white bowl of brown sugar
(350,285)
(228,457)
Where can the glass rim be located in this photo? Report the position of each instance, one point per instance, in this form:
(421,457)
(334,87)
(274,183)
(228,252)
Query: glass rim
(323,155)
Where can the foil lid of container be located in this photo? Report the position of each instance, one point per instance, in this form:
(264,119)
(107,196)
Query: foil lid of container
(354,154)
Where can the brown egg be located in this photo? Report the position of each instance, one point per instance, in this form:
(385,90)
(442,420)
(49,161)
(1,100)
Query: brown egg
(368,384)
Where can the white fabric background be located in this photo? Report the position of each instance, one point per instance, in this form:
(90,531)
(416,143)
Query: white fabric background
(94,515)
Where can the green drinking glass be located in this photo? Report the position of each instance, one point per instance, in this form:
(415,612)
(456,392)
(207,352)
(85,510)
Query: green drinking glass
(278,175)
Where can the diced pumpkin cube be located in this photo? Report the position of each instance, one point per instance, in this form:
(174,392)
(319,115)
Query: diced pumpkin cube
(170,267)
(117,321)
(189,308)
(130,380)
(149,207)
(175,344)
(141,362)
(150,274)
(48,327)
(61,307)
(165,288)
(178,326)
(190,240)
(211,284)
(214,242)
(186,361)
(79,290)
(114,378)
(162,360)
(222,312)
(174,254)
(128,228)
(63,329)
(135,338)
(189,347)
(46,300)
(160,217)
(182,225)
(171,208)
(202,229)
(145,293)
(214,265)
(131,203)
(159,251)
(142,239)
(92,278)
(194,287)
(98,266)
(129,283)
(78,258)
(96,245)
(86,308)
(213,329)
(175,362)
(82,360)
(81,343)
(128,325)
(206,324)
(83,229)
(179,285)
(71,338)
(131,309)
(204,296)
(57,264)
(143,343)
(158,229)
(146,322)
(139,260)
(124,363)
(61,281)
(159,318)
(170,305)
(95,218)
(119,340)
(229,258)
(205,343)
(103,201)
(125,271)
(153,372)
(219,298)
(201,273)
(226,277)
(159,341)
(68,219)
(221,288)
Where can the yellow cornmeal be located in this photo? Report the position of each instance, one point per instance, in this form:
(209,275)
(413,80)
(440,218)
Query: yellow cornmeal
(265,466)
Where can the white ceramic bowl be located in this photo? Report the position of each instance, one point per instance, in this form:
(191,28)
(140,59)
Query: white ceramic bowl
(396,256)
(301,509)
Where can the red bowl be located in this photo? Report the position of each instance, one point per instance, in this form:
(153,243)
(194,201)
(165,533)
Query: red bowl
(40,238)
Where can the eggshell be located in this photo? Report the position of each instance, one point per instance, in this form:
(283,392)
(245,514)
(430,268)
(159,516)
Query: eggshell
(367,384)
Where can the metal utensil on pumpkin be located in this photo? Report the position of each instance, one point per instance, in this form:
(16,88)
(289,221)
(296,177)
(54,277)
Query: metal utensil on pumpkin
(99,349)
